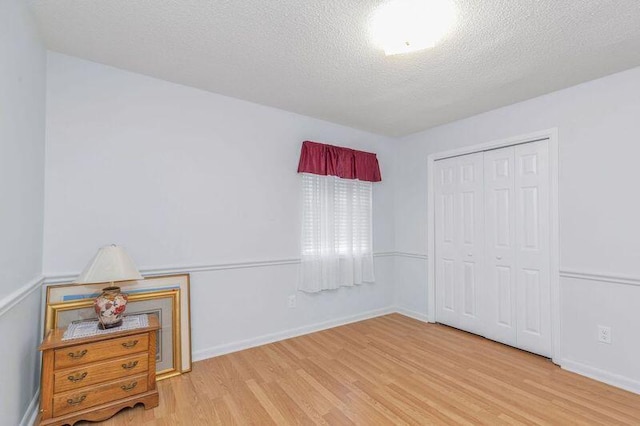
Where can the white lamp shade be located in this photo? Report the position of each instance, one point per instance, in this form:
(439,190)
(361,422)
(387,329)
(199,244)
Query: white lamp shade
(110,264)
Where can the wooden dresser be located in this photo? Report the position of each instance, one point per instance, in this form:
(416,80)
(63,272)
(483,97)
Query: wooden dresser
(93,378)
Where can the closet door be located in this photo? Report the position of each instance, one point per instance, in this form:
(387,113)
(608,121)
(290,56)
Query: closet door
(532,247)
(492,245)
(446,188)
(517,303)
(500,298)
(470,237)
(459,241)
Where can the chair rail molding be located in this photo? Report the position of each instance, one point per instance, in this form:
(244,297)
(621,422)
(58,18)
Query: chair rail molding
(205,267)
(411,255)
(13,299)
(600,276)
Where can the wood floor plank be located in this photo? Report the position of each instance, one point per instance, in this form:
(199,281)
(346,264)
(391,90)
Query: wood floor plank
(287,406)
(268,405)
(337,417)
(305,403)
(388,370)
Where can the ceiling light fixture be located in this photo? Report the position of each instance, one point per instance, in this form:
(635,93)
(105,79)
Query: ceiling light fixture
(403,26)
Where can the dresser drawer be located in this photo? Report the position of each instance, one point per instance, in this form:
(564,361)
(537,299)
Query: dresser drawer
(78,377)
(69,402)
(82,354)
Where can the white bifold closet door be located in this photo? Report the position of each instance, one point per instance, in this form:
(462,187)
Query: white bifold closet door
(511,267)
(460,246)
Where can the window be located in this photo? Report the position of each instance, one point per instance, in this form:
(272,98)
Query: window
(336,191)
(337,247)
(341,205)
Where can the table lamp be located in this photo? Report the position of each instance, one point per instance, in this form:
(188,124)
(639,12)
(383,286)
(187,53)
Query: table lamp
(111,264)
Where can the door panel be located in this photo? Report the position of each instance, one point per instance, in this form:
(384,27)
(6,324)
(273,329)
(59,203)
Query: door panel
(448,285)
(468,217)
(531,284)
(532,247)
(503,298)
(447,217)
(469,299)
(530,211)
(502,216)
(499,300)
(459,246)
(446,185)
(470,228)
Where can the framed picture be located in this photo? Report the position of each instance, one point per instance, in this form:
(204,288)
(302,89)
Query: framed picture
(166,297)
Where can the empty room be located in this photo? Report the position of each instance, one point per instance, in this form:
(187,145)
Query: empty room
(376,212)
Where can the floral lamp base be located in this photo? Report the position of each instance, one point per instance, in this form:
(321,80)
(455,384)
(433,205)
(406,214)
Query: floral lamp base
(110,307)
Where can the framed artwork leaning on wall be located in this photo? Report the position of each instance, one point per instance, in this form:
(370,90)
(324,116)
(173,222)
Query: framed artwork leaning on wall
(166,297)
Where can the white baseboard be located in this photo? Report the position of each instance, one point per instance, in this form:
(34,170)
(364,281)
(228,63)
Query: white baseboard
(412,314)
(601,375)
(30,415)
(286,334)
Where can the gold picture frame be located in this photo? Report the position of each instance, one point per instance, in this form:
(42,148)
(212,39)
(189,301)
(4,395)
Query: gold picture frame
(161,296)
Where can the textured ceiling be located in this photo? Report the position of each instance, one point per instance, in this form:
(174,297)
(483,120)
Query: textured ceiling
(315,58)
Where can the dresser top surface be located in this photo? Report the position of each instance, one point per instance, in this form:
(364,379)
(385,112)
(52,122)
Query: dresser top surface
(53,339)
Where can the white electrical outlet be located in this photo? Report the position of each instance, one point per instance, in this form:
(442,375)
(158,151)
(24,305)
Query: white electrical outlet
(292,301)
(604,334)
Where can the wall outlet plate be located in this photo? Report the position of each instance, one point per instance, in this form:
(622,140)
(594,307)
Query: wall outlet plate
(604,334)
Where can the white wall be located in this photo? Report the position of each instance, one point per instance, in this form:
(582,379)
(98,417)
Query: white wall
(185,177)
(181,177)
(599,209)
(22,96)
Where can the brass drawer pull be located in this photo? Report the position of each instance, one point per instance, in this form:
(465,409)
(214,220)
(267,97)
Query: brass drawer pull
(128,387)
(78,354)
(76,401)
(130,365)
(130,344)
(77,377)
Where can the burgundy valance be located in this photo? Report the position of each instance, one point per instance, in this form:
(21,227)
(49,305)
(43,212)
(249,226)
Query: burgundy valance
(346,163)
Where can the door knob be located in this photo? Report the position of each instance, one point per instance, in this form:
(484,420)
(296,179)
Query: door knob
(499,257)
(469,254)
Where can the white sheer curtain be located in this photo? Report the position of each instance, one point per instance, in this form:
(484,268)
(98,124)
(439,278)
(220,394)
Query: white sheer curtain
(336,233)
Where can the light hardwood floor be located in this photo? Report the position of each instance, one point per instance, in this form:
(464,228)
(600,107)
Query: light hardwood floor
(387,370)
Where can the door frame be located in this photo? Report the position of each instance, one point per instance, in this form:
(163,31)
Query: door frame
(554,239)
